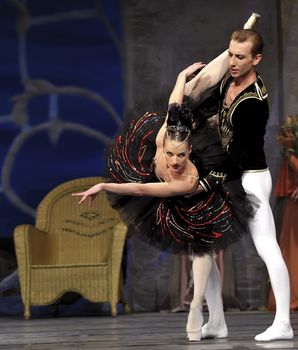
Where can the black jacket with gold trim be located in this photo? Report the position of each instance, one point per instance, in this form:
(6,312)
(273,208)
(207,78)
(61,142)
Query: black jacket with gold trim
(242,127)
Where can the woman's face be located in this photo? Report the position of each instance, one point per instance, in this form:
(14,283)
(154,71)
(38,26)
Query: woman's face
(176,155)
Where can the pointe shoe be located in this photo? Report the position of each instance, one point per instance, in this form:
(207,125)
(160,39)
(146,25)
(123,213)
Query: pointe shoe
(275,333)
(251,21)
(217,333)
(195,317)
(193,336)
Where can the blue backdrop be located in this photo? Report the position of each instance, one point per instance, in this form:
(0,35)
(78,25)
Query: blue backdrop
(60,97)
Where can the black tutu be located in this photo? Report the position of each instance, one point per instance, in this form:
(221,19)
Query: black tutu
(202,223)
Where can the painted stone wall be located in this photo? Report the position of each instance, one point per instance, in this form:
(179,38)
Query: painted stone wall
(290,56)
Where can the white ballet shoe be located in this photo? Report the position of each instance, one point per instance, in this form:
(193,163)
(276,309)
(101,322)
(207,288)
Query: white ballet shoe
(195,319)
(217,333)
(251,21)
(194,336)
(276,333)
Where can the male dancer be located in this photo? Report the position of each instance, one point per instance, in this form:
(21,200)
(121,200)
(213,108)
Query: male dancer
(243,114)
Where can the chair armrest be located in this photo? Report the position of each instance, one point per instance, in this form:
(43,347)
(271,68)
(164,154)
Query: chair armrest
(29,243)
(23,236)
(119,236)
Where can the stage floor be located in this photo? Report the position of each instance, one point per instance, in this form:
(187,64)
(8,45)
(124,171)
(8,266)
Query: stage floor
(153,331)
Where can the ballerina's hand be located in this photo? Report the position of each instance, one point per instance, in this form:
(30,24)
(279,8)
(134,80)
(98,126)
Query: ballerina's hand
(89,194)
(192,69)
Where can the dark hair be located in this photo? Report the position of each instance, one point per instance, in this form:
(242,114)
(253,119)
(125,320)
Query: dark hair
(179,122)
(252,35)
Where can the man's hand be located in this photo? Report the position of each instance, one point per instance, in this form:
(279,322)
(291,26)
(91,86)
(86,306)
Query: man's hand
(200,189)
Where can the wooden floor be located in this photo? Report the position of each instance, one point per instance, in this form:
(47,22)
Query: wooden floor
(152,331)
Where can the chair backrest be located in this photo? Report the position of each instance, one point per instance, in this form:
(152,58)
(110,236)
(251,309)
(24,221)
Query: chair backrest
(77,233)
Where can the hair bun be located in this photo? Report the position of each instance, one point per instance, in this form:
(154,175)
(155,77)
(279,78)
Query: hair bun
(180,115)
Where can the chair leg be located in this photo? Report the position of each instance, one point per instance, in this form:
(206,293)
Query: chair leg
(122,298)
(114,309)
(27,312)
(127,308)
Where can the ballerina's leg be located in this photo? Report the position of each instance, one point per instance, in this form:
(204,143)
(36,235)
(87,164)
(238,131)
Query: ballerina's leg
(214,71)
(201,267)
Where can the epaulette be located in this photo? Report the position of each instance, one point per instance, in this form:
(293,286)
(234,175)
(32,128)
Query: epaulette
(212,180)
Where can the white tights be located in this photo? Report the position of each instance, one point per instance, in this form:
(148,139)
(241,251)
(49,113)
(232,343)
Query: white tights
(205,276)
(208,77)
(213,72)
(263,233)
(262,228)
(201,267)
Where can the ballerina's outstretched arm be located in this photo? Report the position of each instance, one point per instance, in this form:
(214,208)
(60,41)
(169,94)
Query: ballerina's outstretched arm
(153,189)
(214,71)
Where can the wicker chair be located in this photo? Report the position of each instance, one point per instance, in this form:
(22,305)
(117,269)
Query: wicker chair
(72,247)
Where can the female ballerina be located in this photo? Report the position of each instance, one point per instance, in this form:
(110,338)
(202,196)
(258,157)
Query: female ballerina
(176,217)
(156,164)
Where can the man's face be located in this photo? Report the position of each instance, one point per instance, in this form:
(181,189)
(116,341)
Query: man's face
(241,60)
